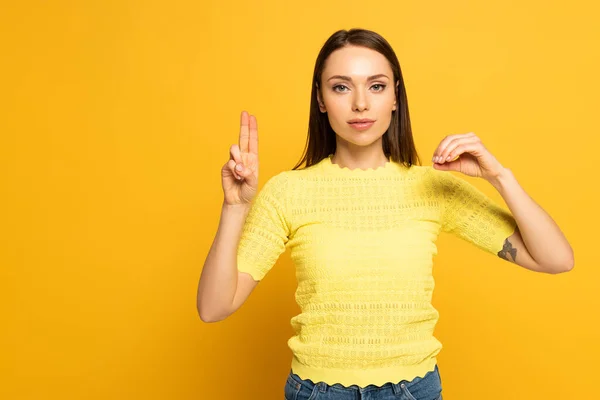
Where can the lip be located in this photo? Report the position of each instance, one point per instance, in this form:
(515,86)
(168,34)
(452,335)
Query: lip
(361,126)
(355,120)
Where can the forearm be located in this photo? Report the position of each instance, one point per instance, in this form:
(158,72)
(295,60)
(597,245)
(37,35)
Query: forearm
(218,281)
(543,238)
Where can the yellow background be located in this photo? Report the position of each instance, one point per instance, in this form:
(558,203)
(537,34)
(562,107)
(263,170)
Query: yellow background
(118,116)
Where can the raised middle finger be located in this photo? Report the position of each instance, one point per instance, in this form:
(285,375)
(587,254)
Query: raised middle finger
(253,140)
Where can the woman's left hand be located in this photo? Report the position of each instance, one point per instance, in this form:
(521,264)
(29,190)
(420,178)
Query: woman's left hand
(466,153)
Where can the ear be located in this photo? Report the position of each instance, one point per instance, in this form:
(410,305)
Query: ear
(395,93)
(320,100)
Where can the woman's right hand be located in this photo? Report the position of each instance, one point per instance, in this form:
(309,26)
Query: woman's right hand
(239,187)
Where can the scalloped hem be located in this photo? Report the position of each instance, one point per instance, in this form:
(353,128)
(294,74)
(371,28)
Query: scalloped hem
(390,168)
(363,377)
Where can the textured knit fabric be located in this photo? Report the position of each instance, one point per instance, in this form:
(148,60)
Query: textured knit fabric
(362,242)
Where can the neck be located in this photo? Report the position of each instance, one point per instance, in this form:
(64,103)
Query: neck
(377,161)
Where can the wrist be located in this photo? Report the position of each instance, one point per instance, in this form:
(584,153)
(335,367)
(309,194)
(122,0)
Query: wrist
(242,207)
(502,179)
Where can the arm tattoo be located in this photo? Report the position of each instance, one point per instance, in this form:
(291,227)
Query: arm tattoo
(507,250)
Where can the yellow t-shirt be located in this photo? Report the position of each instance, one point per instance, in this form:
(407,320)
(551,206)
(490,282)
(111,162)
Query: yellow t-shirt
(363,242)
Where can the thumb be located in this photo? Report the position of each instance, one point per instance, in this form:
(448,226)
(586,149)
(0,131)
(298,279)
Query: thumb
(447,166)
(249,176)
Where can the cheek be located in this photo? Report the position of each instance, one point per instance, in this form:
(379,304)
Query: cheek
(386,103)
(337,109)
(337,104)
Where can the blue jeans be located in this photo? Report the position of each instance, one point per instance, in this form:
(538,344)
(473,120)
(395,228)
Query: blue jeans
(428,387)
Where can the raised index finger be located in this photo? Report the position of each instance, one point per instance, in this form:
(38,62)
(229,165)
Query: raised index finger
(253,142)
(244,132)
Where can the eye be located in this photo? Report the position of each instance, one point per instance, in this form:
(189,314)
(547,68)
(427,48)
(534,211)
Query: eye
(344,86)
(338,86)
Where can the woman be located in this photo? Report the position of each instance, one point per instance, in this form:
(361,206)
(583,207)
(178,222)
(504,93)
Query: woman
(361,220)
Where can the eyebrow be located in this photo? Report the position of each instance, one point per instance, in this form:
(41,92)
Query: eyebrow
(347,78)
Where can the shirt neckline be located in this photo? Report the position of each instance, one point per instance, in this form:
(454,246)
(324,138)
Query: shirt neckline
(389,168)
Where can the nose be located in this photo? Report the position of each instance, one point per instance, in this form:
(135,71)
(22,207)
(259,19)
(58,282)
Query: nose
(360,101)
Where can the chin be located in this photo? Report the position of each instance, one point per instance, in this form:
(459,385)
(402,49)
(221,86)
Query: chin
(361,139)
(370,134)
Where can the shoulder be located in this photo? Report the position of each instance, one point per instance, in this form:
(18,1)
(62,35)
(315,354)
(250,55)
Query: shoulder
(279,178)
(428,175)
(443,178)
(420,170)
(277,184)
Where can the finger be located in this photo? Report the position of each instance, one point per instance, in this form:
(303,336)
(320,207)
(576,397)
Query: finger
(442,146)
(472,147)
(444,143)
(231,165)
(449,153)
(253,141)
(244,132)
(235,154)
(449,166)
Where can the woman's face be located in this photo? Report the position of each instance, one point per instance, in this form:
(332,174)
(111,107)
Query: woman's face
(357,95)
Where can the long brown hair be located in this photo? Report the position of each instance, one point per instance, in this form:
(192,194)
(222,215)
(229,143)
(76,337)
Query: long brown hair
(398,144)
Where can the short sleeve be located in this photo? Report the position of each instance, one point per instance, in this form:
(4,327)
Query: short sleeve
(472,216)
(266,230)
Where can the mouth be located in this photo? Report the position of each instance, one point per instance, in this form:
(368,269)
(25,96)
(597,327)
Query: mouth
(360,120)
(361,125)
